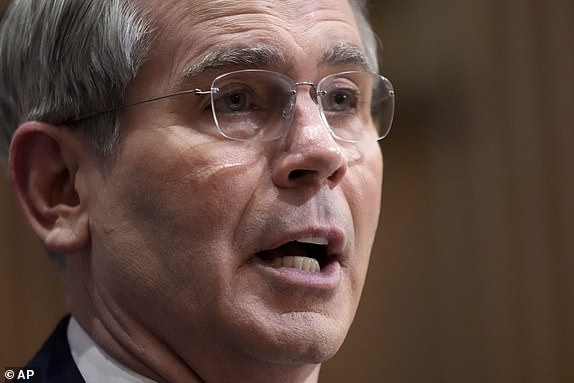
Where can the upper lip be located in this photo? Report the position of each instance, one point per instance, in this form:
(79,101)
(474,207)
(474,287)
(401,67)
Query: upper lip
(335,236)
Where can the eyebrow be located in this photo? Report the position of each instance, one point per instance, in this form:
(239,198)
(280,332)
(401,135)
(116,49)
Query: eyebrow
(259,56)
(344,53)
(267,56)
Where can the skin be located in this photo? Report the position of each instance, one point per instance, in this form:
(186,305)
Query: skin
(160,244)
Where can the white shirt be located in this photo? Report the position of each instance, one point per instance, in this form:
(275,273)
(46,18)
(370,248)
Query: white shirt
(94,364)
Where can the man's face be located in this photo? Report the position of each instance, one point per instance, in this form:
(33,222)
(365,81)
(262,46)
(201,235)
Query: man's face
(193,234)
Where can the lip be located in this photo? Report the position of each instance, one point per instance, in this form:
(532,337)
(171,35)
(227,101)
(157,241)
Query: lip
(329,276)
(336,237)
(326,280)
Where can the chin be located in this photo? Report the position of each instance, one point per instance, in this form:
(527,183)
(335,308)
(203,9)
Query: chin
(304,340)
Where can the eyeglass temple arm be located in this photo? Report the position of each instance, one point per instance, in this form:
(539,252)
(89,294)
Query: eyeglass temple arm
(197,92)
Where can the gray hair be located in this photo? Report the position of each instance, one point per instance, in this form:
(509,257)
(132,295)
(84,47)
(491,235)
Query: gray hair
(370,40)
(60,59)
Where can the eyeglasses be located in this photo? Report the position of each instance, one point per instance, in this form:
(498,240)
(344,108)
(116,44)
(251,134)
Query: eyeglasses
(259,105)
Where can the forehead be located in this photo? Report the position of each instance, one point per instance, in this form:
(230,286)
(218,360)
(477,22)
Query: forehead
(200,19)
(286,35)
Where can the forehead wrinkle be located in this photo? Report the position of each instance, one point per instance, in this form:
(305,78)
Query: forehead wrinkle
(266,56)
(345,53)
(253,57)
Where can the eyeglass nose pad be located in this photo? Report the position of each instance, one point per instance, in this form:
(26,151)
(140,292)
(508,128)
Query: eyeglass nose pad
(292,98)
(287,112)
(313,94)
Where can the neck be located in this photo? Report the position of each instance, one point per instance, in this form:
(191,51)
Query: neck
(143,351)
(139,349)
(140,352)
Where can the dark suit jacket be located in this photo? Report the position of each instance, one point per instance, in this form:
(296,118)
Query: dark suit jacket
(55,359)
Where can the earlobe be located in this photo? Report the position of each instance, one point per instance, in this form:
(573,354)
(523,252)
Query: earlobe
(45,172)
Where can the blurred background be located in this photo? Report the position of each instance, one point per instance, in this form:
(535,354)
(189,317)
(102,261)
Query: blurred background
(471,279)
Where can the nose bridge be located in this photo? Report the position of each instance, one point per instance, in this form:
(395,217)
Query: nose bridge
(308,131)
(289,111)
(311,155)
(304,114)
(312,89)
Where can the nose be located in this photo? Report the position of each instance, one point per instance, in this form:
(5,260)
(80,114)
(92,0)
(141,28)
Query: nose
(310,154)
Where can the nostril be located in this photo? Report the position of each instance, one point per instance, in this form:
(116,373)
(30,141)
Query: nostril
(299,173)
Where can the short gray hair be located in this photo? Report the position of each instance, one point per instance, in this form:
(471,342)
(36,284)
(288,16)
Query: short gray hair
(62,58)
(369,38)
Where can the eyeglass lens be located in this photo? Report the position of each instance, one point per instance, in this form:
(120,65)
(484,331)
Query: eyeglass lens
(259,104)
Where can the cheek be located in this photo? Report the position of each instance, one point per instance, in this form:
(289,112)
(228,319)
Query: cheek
(363,186)
(176,208)
(193,184)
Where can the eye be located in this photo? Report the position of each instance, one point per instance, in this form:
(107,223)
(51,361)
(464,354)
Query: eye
(234,100)
(340,100)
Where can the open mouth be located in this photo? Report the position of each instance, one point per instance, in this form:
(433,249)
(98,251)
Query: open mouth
(306,254)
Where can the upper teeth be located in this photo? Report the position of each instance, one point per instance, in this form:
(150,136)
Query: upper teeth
(314,241)
(299,263)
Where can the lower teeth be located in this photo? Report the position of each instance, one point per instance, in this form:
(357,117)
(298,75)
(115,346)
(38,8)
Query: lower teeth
(299,263)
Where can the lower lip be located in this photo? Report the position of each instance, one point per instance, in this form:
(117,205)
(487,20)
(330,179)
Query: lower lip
(327,279)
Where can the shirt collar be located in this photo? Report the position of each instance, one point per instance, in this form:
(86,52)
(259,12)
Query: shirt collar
(94,364)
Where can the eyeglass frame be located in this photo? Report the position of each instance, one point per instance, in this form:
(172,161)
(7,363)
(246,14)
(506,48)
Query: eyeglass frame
(214,90)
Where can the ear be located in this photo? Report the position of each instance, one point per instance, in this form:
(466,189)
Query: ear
(44,171)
